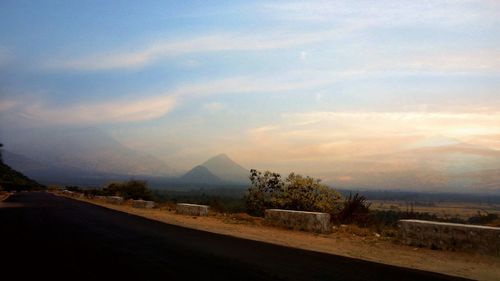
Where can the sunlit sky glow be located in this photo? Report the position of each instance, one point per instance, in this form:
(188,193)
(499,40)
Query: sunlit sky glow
(275,85)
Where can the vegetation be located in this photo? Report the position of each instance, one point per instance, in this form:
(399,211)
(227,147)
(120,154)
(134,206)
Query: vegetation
(486,219)
(224,200)
(131,189)
(269,190)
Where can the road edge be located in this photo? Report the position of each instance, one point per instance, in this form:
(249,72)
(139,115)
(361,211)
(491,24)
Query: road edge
(116,208)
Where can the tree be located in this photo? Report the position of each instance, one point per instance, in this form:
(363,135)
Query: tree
(264,192)
(132,189)
(1,152)
(268,190)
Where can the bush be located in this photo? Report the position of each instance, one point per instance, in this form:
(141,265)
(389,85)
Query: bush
(300,193)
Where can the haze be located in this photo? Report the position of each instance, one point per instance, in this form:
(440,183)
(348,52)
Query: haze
(402,94)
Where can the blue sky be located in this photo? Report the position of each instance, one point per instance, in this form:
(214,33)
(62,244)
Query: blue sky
(268,82)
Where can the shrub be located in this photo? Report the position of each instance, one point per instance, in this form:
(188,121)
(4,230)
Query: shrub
(268,190)
(355,209)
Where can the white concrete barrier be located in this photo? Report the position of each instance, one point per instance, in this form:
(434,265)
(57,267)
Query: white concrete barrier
(73,194)
(299,220)
(114,200)
(192,209)
(100,197)
(451,236)
(143,204)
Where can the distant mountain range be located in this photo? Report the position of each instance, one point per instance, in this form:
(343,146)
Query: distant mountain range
(91,157)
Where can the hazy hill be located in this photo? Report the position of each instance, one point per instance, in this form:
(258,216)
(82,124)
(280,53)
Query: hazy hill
(200,174)
(435,164)
(23,163)
(226,169)
(87,150)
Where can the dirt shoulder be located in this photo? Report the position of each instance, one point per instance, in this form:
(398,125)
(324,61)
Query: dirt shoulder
(4,196)
(347,241)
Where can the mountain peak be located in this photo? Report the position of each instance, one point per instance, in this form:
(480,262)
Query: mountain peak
(226,169)
(200,174)
(221,156)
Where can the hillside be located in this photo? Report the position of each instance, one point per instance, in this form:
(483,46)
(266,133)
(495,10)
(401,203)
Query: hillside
(11,179)
(86,153)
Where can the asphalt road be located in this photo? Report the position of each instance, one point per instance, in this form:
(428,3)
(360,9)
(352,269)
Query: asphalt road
(45,236)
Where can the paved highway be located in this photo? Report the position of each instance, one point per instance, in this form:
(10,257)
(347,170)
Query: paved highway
(45,236)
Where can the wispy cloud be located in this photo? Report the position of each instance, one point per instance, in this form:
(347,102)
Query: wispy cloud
(213,106)
(7,104)
(152,106)
(323,136)
(442,13)
(403,123)
(156,51)
(97,113)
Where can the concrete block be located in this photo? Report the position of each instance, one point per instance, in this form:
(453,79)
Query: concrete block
(67,192)
(191,209)
(299,220)
(143,204)
(451,236)
(114,200)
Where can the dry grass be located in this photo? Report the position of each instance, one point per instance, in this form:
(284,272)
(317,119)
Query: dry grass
(350,241)
(440,209)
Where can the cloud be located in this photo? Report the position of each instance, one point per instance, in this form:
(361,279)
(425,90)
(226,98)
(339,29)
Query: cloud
(442,13)
(155,51)
(409,123)
(479,61)
(7,104)
(213,106)
(152,107)
(96,113)
(322,137)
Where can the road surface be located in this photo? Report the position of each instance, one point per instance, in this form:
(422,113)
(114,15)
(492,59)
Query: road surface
(43,235)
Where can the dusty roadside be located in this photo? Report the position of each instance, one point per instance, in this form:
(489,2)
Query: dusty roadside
(345,241)
(4,196)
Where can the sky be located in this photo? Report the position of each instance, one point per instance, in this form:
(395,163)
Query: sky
(270,83)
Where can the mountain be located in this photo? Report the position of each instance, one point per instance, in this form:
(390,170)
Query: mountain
(200,174)
(226,169)
(87,152)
